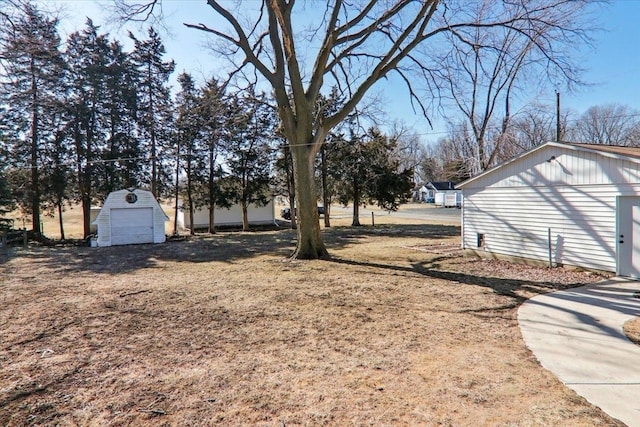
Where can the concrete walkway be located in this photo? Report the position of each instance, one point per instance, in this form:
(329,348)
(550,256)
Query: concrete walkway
(577,334)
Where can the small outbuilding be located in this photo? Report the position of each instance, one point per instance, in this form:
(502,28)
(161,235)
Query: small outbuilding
(435,192)
(130,217)
(560,203)
(229,217)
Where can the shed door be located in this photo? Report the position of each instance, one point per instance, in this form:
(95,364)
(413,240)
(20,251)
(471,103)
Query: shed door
(131,226)
(628,237)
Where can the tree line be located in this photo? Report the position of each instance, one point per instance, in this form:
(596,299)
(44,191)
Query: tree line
(456,156)
(64,115)
(82,119)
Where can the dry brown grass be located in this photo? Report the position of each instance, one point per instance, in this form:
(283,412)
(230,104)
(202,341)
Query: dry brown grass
(632,330)
(398,329)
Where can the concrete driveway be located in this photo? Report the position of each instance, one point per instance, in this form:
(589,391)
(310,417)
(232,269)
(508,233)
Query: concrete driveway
(577,334)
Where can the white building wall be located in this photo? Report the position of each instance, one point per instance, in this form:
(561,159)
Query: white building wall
(574,195)
(116,200)
(229,217)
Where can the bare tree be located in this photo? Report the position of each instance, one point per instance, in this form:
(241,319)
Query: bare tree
(611,124)
(352,46)
(456,153)
(487,68)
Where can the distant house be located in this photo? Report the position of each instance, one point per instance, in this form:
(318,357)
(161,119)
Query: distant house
(427,193)
(228,217)
(568,204)
(445,194)
(130,217)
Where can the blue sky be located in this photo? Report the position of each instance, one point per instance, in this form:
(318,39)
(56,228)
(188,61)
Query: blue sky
(613,67)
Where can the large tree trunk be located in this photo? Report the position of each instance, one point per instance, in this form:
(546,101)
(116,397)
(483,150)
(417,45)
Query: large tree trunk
(310,244)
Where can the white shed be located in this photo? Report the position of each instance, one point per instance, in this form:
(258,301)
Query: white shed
(225,217)
(130,217)
(568,204)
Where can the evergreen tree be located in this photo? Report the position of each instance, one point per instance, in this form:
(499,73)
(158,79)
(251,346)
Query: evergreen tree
(58,176)
(7,202)
(215,113)
(249,154)
(370,173)
(154,104)
(86,54)
(30,80)
(188,129)
(122,155)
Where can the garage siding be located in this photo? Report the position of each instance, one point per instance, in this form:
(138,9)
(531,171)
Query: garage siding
(574,195)
(118,219)
(582,229)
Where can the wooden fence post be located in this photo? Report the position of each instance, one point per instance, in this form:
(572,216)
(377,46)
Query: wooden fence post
(25,240)
(5,248)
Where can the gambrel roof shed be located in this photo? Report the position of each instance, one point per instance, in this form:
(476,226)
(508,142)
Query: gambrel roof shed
(560,203)
(130,217)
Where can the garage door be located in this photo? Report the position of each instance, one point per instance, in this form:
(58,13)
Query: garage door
(131,226)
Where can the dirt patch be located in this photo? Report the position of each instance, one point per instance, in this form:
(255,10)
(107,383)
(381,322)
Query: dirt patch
(398,329)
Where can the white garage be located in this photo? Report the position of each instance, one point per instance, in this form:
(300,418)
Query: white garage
(130,217)
(559,204)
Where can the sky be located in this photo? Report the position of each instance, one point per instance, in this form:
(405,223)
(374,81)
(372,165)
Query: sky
(613,65)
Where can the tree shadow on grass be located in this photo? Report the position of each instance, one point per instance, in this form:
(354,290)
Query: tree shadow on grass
(228,247)
(428,231)
(513,288)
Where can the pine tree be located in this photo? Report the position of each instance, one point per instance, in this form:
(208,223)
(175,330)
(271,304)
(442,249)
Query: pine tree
(58,179)
(7,201)
(188,129)
(154,104)
(369,172)
(122,155)
(32,65)
(214,111)
(86,58)
(249,154)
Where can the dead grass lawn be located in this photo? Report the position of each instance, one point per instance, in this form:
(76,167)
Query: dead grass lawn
(398,329)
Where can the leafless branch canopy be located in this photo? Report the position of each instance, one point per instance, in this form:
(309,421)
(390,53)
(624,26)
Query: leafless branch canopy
(433,46)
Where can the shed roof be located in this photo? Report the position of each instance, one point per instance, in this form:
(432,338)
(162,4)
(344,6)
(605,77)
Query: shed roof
(145,198)
(615,151)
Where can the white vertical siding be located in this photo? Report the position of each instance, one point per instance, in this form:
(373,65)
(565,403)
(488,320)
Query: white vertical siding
(231,216)
(116,200)
(574,195)
(581,219)
(569,167)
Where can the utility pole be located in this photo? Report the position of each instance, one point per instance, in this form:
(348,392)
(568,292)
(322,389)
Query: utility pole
(558,116)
